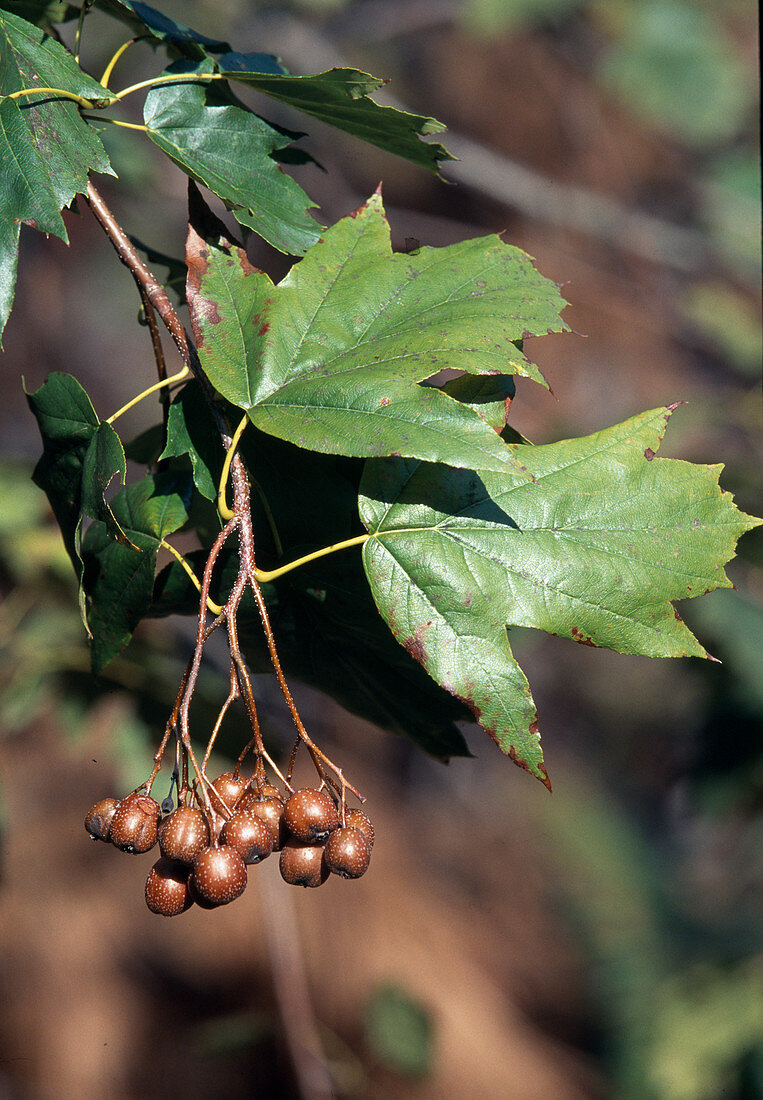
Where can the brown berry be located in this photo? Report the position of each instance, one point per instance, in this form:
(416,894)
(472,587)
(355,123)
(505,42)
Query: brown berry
(271,812)
(230,786)
(167,890)
(249,835)
(310,815)
(219,875)
(135,824)
(357,819)
(183,834)
(99,818)
(249,797)
(302,864)
(347,853)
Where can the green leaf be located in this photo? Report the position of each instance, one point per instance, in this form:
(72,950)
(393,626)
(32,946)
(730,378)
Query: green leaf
(340,97)
(490,395)
(147,20)
(46,148)
(251,63)
(68,423)
(331,357)
(591,542)
(119,579)
(191,430)
(229,149)
(676,67)
(103,460)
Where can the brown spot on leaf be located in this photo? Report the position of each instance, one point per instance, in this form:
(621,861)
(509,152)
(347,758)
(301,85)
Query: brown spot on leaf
(384,402)
(649,454)
(415,645)
(264,328)
(582,639)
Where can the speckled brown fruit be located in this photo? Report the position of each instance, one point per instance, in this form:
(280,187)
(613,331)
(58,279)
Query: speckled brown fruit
(310,815)
(219,875)
(249,835)
(167,890)
(99,817)
(357,819)
(135,824)
(183,834)
(271,811)
(347,853)
(249,797)
(302,864)
(230,787)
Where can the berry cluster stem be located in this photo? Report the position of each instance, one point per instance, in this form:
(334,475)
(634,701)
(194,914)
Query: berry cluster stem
(239,522)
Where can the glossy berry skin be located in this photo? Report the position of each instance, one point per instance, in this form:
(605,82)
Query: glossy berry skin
(347,853)
(219,875)
(249,835)
(99,817)
(356,819)
(310,815)
(135,824)
(302,864)
(167,890)
(250,797)
(269,791)
(230,787)
(183,834)
(271,812)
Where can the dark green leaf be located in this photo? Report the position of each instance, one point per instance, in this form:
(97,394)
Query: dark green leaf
(591,542)
(340,97)
(229,149)
(490,395)
(147,20)
(329,632)
(46,148)
(68,423)
(252,63)
(191,430)
(331,357)
(103,460)
(119,579)
(146,447)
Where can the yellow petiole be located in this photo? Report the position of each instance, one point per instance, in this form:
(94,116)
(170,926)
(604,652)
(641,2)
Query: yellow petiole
(181,374)
(215,608)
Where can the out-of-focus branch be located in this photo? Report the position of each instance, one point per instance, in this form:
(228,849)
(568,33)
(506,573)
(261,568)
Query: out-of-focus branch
(520,188)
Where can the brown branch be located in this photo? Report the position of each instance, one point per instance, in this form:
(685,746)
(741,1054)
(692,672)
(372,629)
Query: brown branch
(148,284)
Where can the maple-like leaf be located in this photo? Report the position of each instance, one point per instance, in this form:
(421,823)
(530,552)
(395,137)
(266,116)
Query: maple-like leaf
(331,358)
(587,538)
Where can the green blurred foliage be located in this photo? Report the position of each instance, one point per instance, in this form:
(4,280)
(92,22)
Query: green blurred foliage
(672,64)
(399,1031)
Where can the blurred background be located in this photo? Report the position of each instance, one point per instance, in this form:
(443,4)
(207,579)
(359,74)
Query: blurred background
(600,942)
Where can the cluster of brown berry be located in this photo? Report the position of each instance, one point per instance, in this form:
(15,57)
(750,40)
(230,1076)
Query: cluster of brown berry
(205,852)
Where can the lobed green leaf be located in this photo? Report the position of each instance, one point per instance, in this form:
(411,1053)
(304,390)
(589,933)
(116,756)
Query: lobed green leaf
(331,357)
(588,538)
